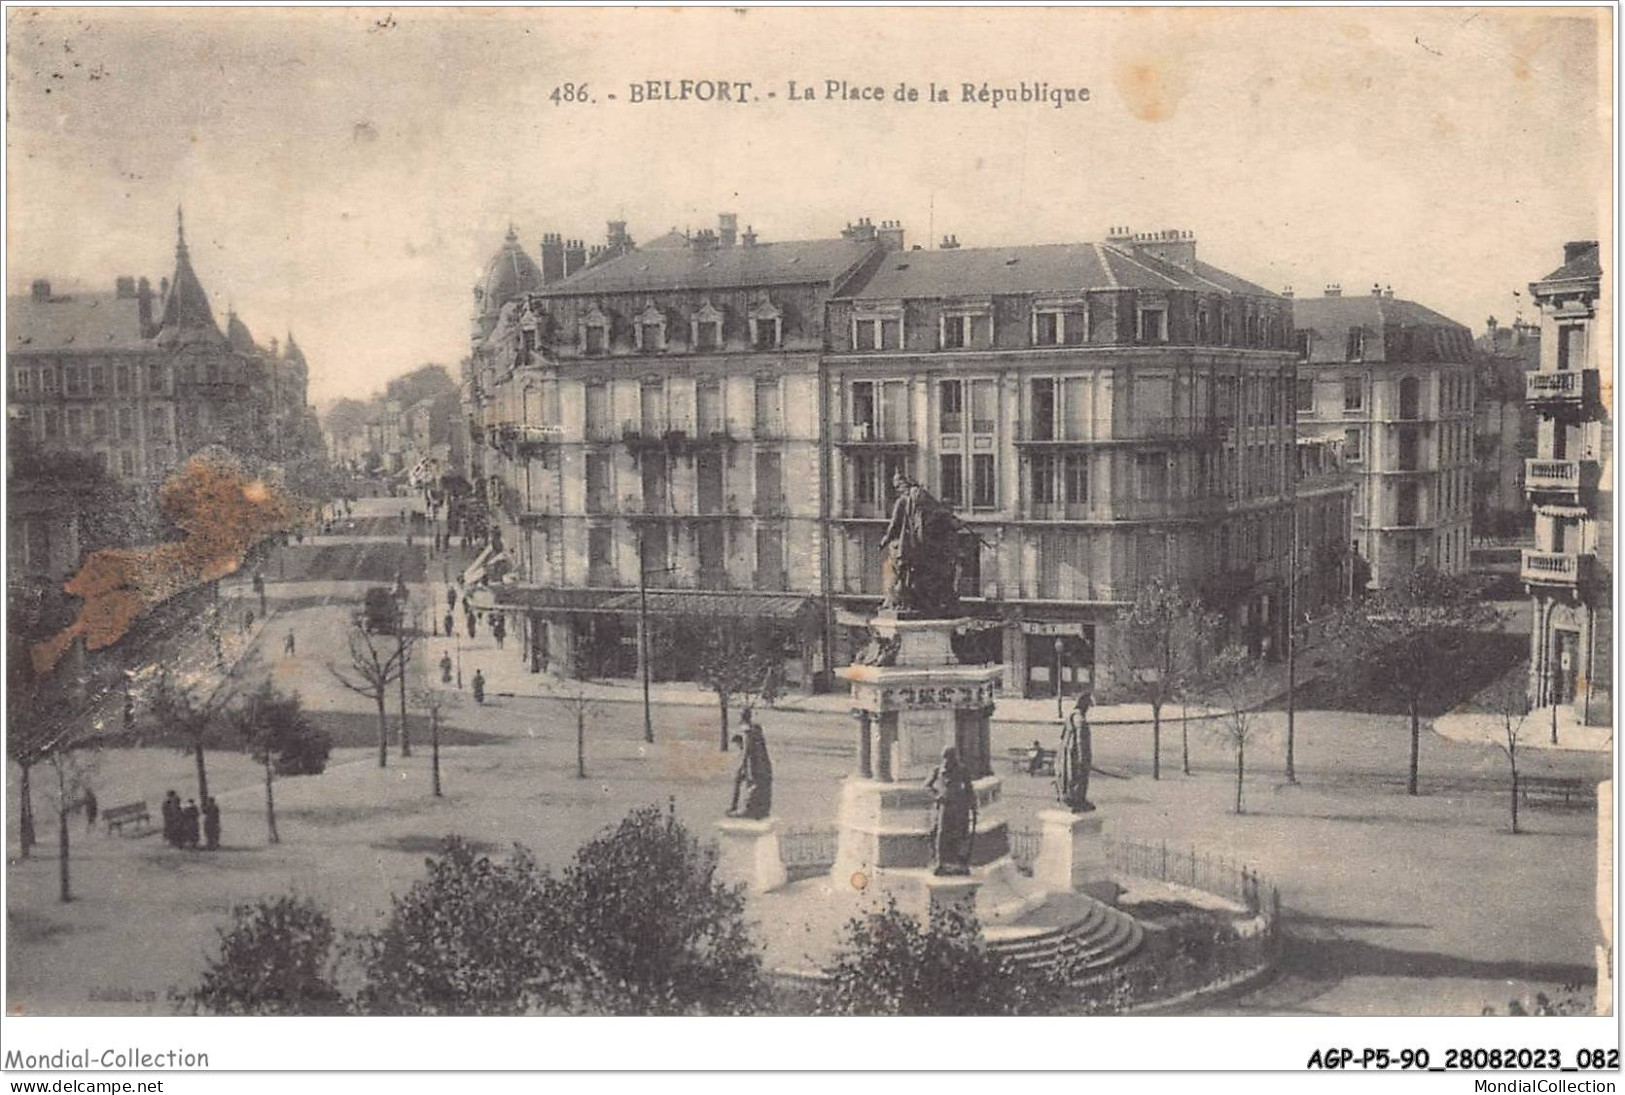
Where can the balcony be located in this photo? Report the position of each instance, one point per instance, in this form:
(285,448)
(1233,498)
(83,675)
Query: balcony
(1059,511)
(1562,569)
(872,436)
(1573,387)
(1565,480)
(1162,509)
(1138,431)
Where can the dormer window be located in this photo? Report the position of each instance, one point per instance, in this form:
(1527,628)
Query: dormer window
(1153,324)
(956,332)
(1049,328)
(651,330)
(766,326)
(705,329)
(1356,346)
(877,332)
(595,332)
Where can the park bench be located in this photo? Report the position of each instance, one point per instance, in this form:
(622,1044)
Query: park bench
(134,813)
(1570,789)
(1021,760)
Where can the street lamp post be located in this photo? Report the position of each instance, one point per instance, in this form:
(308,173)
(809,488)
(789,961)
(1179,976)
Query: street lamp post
(1059,711)
(643,632)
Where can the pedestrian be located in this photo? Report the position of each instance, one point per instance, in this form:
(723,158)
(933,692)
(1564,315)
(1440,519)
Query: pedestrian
(473,625)
(450,625)
(288,645)
(451,597)
(91,808)
(211,823)
(445,666)
(259,588)
(479,687)
(499,630)
(172,819)
(189,824)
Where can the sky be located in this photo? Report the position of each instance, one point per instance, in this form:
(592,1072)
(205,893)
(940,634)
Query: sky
(347,173)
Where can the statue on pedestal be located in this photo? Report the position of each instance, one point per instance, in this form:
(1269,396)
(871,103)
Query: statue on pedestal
(1074,758)
(921,569)
(956,814)
(755,774)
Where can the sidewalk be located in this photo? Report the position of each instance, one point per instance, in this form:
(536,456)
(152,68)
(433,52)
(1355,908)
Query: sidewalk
(1536,733)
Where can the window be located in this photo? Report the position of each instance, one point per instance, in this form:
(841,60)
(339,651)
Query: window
(597,482)
(866,334)
(769,408)
(766,326)
(155,377)
(652,408)
(601,556)
(1151,475)
(770,558)
(158,422)
(121,380)
(1356,345)
(126,463)
(596,338)
(70,380)
(951,406)
(1076,474)
(1304,341)
(1353,451)
(1306,395)
(650,330)
(769,484)
(863,410)
(1571,347)
(708,479)
(984,490)
(1353,394)
(984,406)
(1153,325)
(598,419)
(213,373)
(1227,324)
(1047,327)
(1410,397)
(951,481)
(20,380)
(708,405)
(708,334)
(47,378)
(956,332)
(1041,410)
(652,466)
(1203,328)
(126,423)
(98,380)
(53,423)
(76,423)
(99,423)
(1042,479)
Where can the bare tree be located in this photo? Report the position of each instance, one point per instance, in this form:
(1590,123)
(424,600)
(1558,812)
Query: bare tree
(1164,631)
(1508,701)
(436,703)
(736,667)
(185,720)
(1226,682)
(370,673)
(573,694)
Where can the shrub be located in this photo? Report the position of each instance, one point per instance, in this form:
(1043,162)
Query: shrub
(278,958)
(473,938)
(890,965)
(650,929)
(303,750)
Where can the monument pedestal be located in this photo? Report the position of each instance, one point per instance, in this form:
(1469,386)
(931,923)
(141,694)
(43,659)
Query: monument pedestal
(1071,857)
(748,853)
(946,892)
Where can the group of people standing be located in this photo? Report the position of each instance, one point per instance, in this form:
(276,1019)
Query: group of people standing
(185,825)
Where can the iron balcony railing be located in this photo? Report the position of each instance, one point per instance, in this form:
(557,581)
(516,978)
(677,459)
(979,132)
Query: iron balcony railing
(1567,569)
(1564,386)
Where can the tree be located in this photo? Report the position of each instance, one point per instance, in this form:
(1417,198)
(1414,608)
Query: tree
(1409,635)
(371,671)
(278,734)
(436,703)
(651,930)
(1508,701)
(889,964)
(184,719)
(1165,632)
(1226,682)
(578,701)
(734,665)
(473,938)
(278,958)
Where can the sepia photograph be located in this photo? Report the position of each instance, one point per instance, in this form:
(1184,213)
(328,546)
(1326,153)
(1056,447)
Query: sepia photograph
(789,511)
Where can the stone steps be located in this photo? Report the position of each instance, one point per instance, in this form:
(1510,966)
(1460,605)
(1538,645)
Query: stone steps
(1102,937)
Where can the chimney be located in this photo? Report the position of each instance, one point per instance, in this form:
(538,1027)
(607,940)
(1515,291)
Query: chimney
(163,288)
(552,257)
(1122,236)
(1287,292)
(1174,246)
(890,235)
(749,238)
(703,240)
(616,239)
(596,255)
(124,288)
(727,228)
(575,256)
(1388,293)
(1376,290)
(950,243)
(861,232)
(40,290)
(1575,249)
(143,306)
(1334,290)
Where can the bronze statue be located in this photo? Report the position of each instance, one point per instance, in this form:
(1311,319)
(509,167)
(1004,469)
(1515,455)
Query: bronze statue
(921,569)
(1074,759)
(956,814)
(755,773)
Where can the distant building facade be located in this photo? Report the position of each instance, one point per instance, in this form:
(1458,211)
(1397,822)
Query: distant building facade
(725,418)
(1393,382)
(1569,571)
(1503,426)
